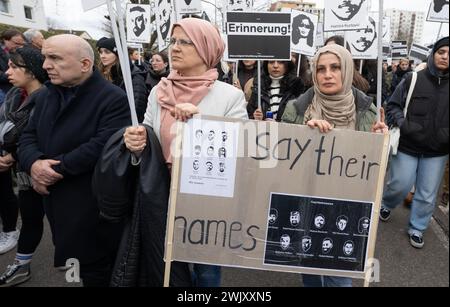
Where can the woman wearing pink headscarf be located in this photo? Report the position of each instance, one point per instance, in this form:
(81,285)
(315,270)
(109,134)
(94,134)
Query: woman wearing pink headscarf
(191,88)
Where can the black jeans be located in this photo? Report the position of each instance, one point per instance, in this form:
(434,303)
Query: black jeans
(9,209)
(32,213)
(98,274)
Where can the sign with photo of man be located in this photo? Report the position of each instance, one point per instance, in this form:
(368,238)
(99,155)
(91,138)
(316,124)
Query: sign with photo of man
(165,17)
(345,15)
(363,43)
(438,11)
(138,23)
(188,6)
(304,32)
(258,36)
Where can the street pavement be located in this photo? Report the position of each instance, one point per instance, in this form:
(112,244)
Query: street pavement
(401,264)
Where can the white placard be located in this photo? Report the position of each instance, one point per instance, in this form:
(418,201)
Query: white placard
(165,17)
(345,15)
(138,23)
(320,40)
(188,6)
(364,43)
(438,11)
(304,32)
(91,4)
(209,159)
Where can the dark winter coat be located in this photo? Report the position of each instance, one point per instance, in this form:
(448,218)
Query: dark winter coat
(291,88)
(140,90)
(425,131)
(139,195)
(72,125)
(5,86)
(16,112)
(398,77)
(153,78)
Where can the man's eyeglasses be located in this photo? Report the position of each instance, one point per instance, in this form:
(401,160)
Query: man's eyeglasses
(180,42)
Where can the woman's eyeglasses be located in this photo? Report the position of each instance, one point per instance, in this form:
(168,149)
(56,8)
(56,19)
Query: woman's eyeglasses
(180,42)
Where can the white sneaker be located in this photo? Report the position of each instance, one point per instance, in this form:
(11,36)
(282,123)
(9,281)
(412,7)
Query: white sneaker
(8,241)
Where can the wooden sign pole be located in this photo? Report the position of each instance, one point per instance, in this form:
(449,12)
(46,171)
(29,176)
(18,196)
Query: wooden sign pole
(173,204)
(375,220)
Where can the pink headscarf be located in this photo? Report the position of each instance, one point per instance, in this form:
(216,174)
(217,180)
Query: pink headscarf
(177,89)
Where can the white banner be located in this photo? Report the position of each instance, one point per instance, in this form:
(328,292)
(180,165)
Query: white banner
(344,15)
(304,32)
(138,23)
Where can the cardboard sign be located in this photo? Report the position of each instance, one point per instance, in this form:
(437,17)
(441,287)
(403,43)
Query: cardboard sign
(302,201)
(438,11)
(419,52)
(188,6)
(304,32)
(364,43)
(258,36)
(138,23)
(343,15)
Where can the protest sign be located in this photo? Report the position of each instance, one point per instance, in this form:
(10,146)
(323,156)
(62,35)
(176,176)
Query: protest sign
(258,36)
(284,197)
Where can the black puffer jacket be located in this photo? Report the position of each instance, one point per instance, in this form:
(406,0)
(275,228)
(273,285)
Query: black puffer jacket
(140,195)
(140,90)
(425,131)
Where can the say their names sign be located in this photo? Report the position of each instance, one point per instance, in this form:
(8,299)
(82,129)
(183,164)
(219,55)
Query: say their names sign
(300,201)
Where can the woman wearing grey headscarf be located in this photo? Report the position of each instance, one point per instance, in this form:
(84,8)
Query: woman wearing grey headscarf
(333,103)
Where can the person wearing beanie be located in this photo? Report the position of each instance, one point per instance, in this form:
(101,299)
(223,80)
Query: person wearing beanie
(424,140)
(28,77)
(109,67)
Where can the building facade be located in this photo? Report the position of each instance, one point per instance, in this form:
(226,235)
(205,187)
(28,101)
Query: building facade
(406,25)
(23,13)
(305,6)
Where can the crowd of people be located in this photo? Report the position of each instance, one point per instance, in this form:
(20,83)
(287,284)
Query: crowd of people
(66,140)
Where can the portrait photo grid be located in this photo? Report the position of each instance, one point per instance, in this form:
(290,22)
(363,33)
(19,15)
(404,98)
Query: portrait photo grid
(318,233)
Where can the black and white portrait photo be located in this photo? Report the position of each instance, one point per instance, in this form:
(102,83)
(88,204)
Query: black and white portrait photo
(164,19)
(345,14)
(349,248)
(347,9)
(341,222)
(304,30)
(363,43)
(327,246)
(138,23)
(439,11)
(238,5)
(306,244)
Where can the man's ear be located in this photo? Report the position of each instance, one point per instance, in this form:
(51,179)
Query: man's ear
(86,65)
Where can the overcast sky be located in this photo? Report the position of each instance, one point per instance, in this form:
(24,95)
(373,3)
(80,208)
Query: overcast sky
(70,13)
